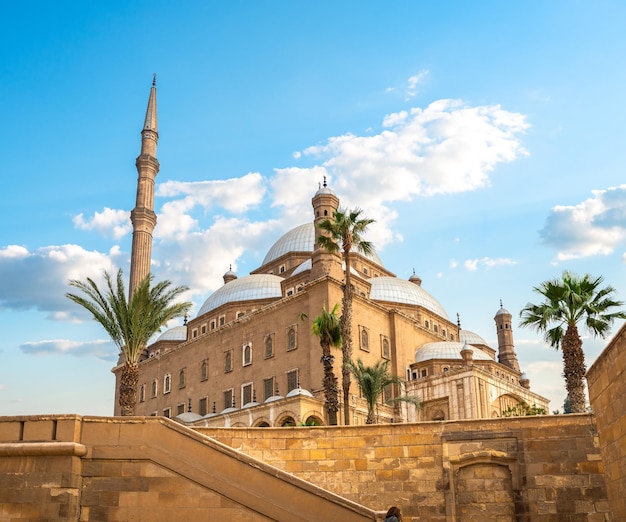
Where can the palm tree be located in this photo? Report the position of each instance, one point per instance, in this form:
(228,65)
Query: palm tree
(372,381)
(327,328)
(568,301)
(345,232)
(130,323)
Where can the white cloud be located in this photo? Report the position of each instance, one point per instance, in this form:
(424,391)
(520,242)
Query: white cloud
(596,226)
(487,262)
(101,348)
(109,222)
(413,82)
(204,227)
(235,195)
(38,279)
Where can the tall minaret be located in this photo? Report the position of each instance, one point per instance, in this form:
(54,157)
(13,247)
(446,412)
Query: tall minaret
(325,203)
(142,216)
(506,348)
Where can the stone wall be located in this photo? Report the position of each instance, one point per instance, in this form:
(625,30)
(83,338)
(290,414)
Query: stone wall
(69,468)
(606,380)
(527,469)
(62,468)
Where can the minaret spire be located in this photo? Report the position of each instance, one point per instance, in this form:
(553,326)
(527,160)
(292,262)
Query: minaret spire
(142,216)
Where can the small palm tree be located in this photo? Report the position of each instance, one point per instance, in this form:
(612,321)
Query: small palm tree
(567,302)
(372,381)
(345,232)
(327,328)
(130,323)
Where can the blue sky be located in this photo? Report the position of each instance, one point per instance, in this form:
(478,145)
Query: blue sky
(486,139)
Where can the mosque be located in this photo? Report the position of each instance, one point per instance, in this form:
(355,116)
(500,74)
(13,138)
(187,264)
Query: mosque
(249,358)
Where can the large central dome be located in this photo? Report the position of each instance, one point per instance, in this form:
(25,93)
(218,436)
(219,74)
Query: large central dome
(301,239)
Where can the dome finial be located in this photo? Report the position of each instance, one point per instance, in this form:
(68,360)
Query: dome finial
(185,320)
(325,181)
(501,304)
(458,320)
(154,80)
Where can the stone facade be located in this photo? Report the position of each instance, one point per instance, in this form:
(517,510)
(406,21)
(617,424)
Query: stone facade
(606,380)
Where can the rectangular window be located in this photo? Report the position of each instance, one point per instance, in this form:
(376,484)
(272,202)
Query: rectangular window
(167,412)
(180,409)
(222,320)
(212,325)
(203,329)
(202,406)
(228,399)
(387,394)
(246,394)
(268,388)
(194,333)
(292,380)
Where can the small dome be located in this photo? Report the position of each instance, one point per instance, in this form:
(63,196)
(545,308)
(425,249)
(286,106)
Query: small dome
(188,417)
(402,291)
(446,350)
(299,391)
(249,405)
(325,189)
(249,288)
(302,267)
(178,333)
(502,311)
(273,398)
(468,337)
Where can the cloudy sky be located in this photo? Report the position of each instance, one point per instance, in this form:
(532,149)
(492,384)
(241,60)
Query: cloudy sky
(486,139)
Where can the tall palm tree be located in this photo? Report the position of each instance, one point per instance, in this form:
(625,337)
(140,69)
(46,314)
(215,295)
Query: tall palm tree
(345,232)
(327,327)
(372,381)
(568,301)
(130,323)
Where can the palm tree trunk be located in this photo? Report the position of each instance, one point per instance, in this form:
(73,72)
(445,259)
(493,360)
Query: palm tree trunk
(574,368)
(330,386)
(128,388)
(346,337)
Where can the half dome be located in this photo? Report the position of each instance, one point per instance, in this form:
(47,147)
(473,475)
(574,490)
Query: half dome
(177,333)
(469,337)
(396,290)
(248,288)
(446,350)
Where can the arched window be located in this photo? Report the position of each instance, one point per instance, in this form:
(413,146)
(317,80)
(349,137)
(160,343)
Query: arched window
(291,338)
(142,393)
(386,351)
(181,378)
(247,355)
(269,346)
(228,361)
(155,385)
(426,324)
(364,340)
(204,374)
(167,383)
